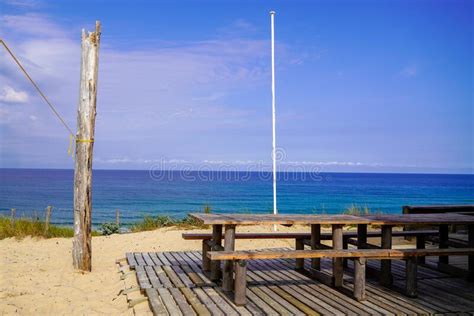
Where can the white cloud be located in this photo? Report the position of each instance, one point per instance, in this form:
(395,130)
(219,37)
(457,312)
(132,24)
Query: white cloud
(11,95)
(25,4)
(409,71)
(31,25)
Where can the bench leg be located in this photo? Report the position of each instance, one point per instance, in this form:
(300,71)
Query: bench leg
(345,245)
(420,244)
(443,242)
(337,267)
(315,242)
(240,282)
(299,245)
(470,259)
(359,278)
(216,241)
(385,264)
(206,263)
(411,272)
(229,245)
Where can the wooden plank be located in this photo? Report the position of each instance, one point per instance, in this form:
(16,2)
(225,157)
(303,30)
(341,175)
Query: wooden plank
(183,305)
(139,259)
(191,297)
(296,302)
(260,303)
(156,260)
(162,276)
(247,310)
(142,278)
(156,305)
(147,258)
(266,294)
(293,288)
(204,298)
(173,276)
(193,276)
(169,302)
(323,236)
(171,259)
(131,260)
(261,219)
(152,277)
(342,253)
(219,301)
(381,219)
(183,276)
(163,259)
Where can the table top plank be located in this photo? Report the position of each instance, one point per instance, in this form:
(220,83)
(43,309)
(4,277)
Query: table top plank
(420,219)
(297,219)
(270,219)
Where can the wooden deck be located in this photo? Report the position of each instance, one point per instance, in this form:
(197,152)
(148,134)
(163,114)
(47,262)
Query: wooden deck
(175,284)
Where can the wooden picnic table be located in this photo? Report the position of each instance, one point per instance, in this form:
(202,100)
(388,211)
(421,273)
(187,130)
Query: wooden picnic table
(387,222)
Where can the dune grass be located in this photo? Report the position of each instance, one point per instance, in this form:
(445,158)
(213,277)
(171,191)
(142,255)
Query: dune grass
(357,210)
(22,227)
(160,221)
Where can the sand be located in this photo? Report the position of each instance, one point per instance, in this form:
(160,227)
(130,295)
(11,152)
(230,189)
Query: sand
(37,277)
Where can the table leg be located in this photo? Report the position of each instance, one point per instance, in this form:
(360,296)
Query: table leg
(216,246)
(470,232)
(361,236)
(299,245)
(229,245)
(315,242)
(386,265)
(420,244)
(443,242)
(337,267)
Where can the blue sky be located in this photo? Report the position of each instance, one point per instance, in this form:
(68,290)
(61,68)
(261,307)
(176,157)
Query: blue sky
(364,86)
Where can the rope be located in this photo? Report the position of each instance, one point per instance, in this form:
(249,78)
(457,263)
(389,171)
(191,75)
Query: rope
(38,89)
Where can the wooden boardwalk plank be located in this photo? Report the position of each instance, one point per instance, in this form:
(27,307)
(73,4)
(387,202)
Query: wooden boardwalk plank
(169,302)
(156,305)
(131,260)
(176,285)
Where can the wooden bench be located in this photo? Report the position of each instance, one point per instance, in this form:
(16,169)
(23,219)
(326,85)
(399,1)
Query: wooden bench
(359,256)
(302,239)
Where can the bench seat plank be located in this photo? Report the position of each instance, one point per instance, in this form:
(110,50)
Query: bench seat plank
(324,236)
(342,253)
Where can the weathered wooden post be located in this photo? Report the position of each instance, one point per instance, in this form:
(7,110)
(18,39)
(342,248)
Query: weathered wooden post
(117,217)
(82,251)
(12,217)
(47,218)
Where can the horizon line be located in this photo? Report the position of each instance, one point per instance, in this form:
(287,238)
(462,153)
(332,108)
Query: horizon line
(253,171)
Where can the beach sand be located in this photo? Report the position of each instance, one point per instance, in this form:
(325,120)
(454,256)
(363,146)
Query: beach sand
(37,277)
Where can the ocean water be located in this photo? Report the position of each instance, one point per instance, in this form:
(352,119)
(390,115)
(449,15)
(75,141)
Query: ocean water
(174,193)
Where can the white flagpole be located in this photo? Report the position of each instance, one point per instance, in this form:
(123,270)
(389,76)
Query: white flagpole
(275,211)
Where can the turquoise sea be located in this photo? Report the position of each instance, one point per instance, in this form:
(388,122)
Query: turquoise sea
(175,193)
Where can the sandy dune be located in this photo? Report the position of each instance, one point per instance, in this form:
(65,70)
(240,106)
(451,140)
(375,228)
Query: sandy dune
(37,278)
